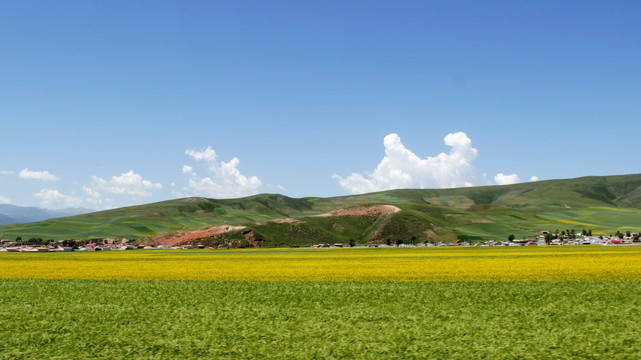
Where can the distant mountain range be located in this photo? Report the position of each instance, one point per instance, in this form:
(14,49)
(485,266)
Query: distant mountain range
(12,214)
(603,204)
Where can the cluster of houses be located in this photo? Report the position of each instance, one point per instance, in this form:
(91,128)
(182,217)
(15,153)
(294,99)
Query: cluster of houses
(95,245)
(13,247)
(545,238)
(578,239)
(541,240)
(90,247)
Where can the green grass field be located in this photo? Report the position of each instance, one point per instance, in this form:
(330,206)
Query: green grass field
(72,319)
(529,304)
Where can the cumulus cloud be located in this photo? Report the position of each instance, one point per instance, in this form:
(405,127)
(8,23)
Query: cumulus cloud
(534,178)
(502,179)
(7,172)
(96,199)
(188,170)
(4,200)
(402,168)
(93,197)
(128,183)
(54,199)
(37,175)
(209,155)
(227,181)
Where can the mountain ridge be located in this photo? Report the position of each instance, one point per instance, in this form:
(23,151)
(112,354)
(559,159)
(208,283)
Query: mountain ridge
(14,214)
(603,204)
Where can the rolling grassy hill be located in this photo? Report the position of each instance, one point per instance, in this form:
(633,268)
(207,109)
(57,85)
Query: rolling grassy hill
(602,204)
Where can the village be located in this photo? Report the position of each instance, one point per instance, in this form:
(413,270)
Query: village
(545,238)
(631,239)
(90,245)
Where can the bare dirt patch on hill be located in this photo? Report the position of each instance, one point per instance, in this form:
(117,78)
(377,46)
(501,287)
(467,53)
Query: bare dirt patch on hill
(363,211)
(188,237)
(286,220)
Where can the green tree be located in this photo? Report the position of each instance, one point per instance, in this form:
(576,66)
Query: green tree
(510,237)
(548,238)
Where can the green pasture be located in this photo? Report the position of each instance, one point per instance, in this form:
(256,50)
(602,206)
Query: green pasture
(73,319)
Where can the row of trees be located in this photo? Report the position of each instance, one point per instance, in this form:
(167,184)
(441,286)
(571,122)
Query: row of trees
(51,242)
(34,241)
(571,234)
(396,242)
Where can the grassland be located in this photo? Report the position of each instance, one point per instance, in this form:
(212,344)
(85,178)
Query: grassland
(601,204)
(412,303)
(532,306)
(71,319)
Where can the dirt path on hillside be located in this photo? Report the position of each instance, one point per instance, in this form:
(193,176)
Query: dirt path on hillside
(363,211)
(174,239)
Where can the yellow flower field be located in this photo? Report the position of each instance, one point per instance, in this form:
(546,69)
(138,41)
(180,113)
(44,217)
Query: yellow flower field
(562,263)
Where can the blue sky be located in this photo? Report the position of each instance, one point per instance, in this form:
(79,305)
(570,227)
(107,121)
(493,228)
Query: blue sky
(112,103)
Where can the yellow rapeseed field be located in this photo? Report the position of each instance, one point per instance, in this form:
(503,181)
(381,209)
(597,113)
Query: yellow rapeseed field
(559,263)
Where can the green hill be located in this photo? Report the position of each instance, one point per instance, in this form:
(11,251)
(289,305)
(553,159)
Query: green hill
(603,204)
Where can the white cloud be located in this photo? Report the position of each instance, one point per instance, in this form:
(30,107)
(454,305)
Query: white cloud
(401,168)
(96,199)
(128,183)
(7,172)
(54,199)
(4,200)
(227,180)
(534,178)
(502,179)
(209,155)
(188,170)
(91,192)
(38,175)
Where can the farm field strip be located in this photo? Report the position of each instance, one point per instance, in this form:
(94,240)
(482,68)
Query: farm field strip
(415,303)
(73,319)
(335,265)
